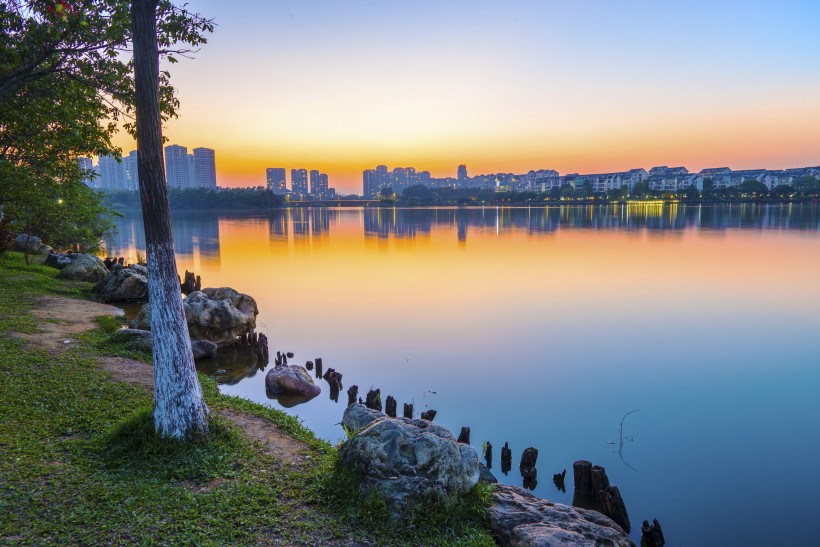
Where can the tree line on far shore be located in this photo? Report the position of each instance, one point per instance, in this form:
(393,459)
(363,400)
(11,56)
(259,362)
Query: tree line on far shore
(806,187)
(198,199)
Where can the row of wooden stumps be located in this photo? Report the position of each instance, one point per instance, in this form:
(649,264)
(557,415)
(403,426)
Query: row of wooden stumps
(190,283)
(592,488)
(373,400)
(331,376)
(258,342)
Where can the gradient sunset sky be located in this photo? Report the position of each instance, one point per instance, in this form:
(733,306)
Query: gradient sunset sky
(503,86)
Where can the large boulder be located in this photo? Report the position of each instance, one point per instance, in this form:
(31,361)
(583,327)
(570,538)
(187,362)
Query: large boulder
(84,268)
(124,284)
(141,339)
(25,242)
(57,260)
(218,315)
(518,518)
(292,383)
(404,459)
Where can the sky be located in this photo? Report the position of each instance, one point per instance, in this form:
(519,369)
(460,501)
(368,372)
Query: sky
(579,87)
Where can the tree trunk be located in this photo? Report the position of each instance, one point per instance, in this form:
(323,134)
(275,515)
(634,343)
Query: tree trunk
(179,408)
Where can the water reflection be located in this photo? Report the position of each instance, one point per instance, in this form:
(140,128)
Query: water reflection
(199,234)
(232,364)
(193,235)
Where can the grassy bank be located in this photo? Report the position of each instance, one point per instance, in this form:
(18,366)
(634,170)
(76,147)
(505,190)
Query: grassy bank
(80,464)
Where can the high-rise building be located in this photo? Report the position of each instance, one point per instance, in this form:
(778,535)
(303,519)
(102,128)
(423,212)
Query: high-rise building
(319,188)
(204,168)
(176,166)
(275,177)
(87,167)
(112,174)
(462,175)
(299,181)
(369,184)
(190,171)
(132,180)
(382,177)
(314,181)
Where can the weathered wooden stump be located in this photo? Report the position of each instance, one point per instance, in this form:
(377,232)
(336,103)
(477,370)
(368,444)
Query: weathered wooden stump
(652,535)
(593,491)
(428,415)
(488,454)
(528,458)
(289,354)
(408,411)
(309,365)
(188,283)
(374,399)
(558,479)
(390,406)
(352,393)
(278,360)
(464,436)
(506,458)
(318,368)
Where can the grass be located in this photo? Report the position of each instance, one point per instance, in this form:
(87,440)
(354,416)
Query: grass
(80,462)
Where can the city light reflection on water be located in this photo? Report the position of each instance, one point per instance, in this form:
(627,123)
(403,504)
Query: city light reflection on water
(543,326)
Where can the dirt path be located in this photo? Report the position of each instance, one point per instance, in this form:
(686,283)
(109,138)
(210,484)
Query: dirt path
(61,319)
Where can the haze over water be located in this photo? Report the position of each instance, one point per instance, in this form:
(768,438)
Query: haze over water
(544,326)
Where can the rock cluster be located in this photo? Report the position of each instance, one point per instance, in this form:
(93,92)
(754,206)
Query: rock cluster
(519,518)
(404,459)
(30,243)
(218,315)
(124,284)
(83,267)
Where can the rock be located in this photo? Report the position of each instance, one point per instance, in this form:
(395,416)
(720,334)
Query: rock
(202,349)
(84,268)
(123,285)
(45,249)
(57,260)
(291,380)
(405,459)
(485,475)
(218,315)
(25,241)
(520,518)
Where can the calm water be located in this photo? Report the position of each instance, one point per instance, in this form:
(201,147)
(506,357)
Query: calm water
(544,326)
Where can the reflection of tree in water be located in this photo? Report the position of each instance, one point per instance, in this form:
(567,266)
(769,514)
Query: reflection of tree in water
(231,365)
(384,223)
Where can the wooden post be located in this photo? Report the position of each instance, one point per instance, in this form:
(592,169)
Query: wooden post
(488,455)
(464,436)
(408,411)
(428,415)
(374,399)
(352,393)
(318,368)
(309,365)
(652,535)
(528,458)
(390,406)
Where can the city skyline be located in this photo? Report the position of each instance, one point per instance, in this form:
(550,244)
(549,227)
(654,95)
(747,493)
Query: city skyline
(182,170)
(556,85)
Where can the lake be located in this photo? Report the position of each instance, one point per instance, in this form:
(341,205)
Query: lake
(543,327)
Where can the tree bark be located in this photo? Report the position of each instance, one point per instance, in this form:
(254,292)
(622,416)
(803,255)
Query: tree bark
(179,408)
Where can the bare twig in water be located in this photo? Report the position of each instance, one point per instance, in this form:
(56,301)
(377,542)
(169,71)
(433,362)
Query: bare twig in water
(621,436)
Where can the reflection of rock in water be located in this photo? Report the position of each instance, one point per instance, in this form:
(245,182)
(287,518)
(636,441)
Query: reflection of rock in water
(289,400)
(231,365)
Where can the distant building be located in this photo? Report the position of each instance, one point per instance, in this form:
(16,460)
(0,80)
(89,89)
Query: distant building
(314,182)
(275,177)
(204,168)
(319,188)
(132,180)
(190,171)
(87,167)
(369,184)
(462,176)
(112,174)
(176,166)
(299,181)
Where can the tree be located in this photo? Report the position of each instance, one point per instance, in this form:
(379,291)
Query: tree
(65,83)
(179,407)
(386,193)
(751,187)
(640,189)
